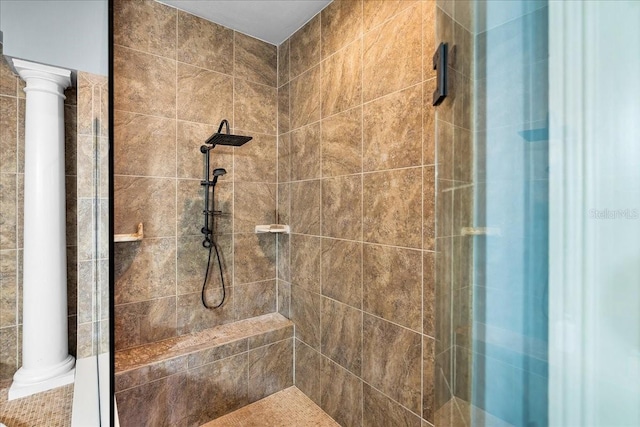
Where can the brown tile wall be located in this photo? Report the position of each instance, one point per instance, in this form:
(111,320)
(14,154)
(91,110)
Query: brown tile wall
(176,76)
(12,108)
(356,182)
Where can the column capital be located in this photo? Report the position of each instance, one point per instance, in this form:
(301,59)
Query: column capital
(43,78)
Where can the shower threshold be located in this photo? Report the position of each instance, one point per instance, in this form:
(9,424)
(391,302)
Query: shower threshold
(287,408)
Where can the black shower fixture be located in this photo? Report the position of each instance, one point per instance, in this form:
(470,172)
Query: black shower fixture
(209,211)
(227,138)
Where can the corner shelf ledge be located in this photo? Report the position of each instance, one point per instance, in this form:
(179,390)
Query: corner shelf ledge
(137,236)
(273,228)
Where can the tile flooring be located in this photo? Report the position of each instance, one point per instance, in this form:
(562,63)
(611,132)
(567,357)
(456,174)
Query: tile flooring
(51,408)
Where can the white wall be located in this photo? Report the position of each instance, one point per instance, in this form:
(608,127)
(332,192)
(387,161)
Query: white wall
(66,33)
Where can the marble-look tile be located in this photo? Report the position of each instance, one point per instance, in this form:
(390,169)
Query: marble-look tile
(8,201)
(144,270)
(305,152)
(8,352)
(144,322)
(305,313)
(147,200)
(254,257)
(341,338)
(144,145)
(192,316)
(341,24)
(392,207)
(150,372)
(204,43)
(428,123)
(444,149)
(283,109)
(305,207)
(86,299)
(462,208)
(392,360)
(192,263)
(144,83)
(443,294)
(224,384)
(393,284)
(463,155)
(304,98)
(72,282)
(284,298)
(429,208)
(161,403)
(428,371)
(86,148)
(255,107)
(342,78)
(70,140)
(190,136)
(392,131)
(342,143)
(284,203)
(398,42)
(20,206)
(342,207)
(428,39)
(8,80)
(304,47)
(305,262)
(283,63)
(256,160)
(255,299)
(190,204)
(308,365)
(428,294)
(284,331)
(375,12)
(85,340)
(86,119)
(203,96)
(254,204)
(342,271)
(270,369)
(22,105)
(284,158)
(255,60)
(379,410)
(211,354)
(8,288)
(341,394)
(147,26)
(8,134)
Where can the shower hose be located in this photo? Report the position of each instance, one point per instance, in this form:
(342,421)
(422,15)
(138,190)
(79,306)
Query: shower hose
(213,245)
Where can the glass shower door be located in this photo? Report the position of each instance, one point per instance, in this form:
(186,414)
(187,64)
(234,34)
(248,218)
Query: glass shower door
(493,210)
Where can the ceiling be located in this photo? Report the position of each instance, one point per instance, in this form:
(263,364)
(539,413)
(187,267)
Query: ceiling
(270,20)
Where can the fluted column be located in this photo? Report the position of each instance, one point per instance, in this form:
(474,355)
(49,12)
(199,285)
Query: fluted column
(46,362)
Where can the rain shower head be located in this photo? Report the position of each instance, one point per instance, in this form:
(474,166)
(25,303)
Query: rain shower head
(220,138)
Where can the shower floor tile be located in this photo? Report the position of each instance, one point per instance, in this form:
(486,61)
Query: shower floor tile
(287,408)
(50,408)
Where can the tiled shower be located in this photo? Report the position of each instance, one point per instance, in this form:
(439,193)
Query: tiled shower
(343,152)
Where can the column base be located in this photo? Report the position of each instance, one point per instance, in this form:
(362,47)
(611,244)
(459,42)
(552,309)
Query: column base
(31,381)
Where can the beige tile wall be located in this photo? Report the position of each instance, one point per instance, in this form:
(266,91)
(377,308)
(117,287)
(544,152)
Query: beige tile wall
(356,162)
(176,76)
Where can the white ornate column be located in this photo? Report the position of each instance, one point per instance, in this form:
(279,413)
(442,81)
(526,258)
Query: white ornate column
(46,362)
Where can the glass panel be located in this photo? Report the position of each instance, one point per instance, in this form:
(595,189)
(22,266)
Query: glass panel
(492,278)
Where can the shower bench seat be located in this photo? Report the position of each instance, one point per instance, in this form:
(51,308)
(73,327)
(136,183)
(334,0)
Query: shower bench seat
(192,379)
